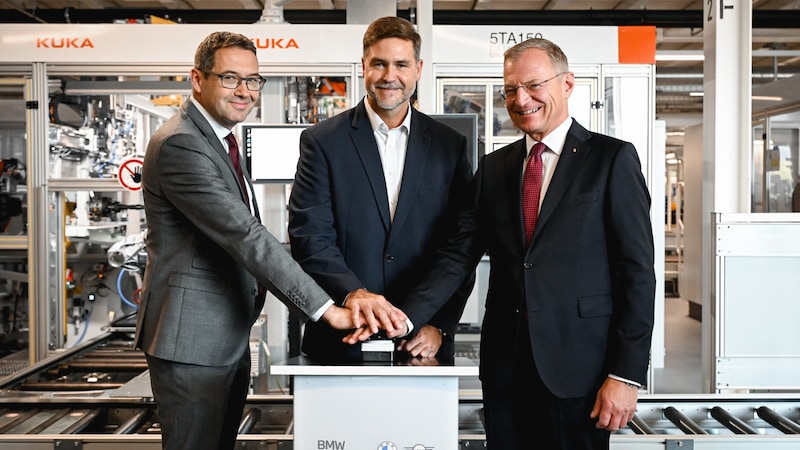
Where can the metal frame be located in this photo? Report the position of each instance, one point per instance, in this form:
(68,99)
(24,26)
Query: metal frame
(753,347)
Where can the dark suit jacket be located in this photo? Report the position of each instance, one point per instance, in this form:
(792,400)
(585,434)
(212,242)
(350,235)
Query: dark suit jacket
(206,251)
(339,222)
(586,281)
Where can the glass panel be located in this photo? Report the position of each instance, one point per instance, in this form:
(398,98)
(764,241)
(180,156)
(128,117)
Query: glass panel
(98,122)
(316,98)
(471,99)
(14,326)
(502,126)
(782,161)
(758,190)
(14,271)
(105,259)
(580,102)
(13,155)
(628,112)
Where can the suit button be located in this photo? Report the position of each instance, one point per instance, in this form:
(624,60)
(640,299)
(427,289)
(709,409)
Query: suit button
(527,264)
(389,258)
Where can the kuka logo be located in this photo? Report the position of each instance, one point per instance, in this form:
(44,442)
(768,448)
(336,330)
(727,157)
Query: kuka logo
(277,44)
(64,43)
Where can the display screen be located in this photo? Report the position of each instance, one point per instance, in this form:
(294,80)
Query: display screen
(272,151)
(467,125)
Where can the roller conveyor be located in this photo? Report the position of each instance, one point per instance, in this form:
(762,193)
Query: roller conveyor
(87,398)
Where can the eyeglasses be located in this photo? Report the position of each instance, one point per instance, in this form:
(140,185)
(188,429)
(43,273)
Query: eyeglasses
(510,92)
(229,81)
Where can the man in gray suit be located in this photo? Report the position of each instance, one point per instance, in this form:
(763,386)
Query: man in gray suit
(209,256)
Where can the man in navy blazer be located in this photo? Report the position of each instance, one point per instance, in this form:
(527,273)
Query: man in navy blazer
(377,192)
(208,255)
(565,341)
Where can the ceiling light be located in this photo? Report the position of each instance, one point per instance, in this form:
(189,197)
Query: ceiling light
(680,55)
(768,98)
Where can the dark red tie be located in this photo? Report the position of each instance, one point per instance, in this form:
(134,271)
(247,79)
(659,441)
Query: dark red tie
(531,188)
(233,151)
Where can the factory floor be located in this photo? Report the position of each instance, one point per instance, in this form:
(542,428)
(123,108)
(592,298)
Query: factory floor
(682,372)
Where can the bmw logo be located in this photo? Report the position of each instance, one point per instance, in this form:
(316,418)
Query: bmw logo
(387,445)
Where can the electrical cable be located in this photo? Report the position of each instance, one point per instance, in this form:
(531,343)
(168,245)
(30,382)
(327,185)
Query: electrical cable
(85,328)
(119,290)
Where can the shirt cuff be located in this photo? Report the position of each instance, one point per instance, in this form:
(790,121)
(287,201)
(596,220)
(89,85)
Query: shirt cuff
(626,381)
(315,317)
(410,327)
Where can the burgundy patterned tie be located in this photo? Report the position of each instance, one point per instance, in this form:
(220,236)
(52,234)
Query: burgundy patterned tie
(531,188)
(233,151)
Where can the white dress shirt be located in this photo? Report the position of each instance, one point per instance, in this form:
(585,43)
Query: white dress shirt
(392,144)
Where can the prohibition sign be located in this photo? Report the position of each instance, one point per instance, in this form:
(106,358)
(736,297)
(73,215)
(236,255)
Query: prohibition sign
(129,174)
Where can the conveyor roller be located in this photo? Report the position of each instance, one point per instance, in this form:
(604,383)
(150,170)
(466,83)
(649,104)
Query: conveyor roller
(72,400)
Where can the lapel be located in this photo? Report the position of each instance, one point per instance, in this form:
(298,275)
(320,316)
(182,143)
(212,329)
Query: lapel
(202,124)
(205,128)
(417,152)
(576,147)
(364,141)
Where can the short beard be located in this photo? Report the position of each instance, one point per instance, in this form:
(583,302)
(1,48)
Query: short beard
(372,93)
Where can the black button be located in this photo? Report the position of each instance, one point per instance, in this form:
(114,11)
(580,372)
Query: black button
(527,264)
(389,258)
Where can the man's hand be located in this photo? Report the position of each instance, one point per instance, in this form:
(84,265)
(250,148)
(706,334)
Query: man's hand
(371,313)
(340,318)
(425,344)
(615,405)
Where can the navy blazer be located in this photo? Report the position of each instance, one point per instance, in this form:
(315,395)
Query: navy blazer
(340,227)
(586,281)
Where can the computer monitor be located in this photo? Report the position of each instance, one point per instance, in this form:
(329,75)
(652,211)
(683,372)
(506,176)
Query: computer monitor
(272,151)
(467,125)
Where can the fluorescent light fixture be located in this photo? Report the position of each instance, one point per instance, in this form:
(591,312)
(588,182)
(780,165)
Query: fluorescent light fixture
(672,161)
(675,133)
(768,98)
(680,55)
(671,156)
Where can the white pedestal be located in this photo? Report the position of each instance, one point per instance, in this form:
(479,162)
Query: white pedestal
(371,406)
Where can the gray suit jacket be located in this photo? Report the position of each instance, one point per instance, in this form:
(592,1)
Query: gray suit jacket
(206,251)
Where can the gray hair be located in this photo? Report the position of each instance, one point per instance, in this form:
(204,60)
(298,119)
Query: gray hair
(557,57)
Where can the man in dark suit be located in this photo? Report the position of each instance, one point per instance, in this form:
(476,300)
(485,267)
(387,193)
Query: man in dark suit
(377,192)
(566,333)
(209,255)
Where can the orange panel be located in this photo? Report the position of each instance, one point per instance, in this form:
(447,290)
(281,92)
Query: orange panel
(637,45)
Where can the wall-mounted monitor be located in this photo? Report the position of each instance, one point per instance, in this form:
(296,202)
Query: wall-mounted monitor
(272,151)
(467,125)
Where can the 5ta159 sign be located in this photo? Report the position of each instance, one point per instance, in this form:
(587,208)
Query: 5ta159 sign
(129,174)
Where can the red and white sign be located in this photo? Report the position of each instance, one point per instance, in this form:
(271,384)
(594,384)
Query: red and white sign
(129,174)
